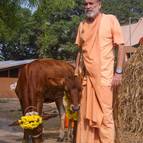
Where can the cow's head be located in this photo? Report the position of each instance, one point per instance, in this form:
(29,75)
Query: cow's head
(73,89)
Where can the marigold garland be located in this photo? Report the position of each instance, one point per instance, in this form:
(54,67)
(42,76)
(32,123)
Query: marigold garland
(69,113)
(30,121)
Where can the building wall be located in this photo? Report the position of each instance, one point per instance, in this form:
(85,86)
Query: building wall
(5,91)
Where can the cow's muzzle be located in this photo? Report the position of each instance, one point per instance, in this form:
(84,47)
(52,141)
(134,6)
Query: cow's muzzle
(75,108)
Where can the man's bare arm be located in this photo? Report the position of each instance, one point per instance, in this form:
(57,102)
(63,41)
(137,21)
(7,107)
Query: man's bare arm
(119,69)
(120,56)
(77,62)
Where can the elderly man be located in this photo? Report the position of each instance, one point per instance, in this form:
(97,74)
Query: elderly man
(97,36)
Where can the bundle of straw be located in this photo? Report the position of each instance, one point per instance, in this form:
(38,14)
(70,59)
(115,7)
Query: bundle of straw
(128,105)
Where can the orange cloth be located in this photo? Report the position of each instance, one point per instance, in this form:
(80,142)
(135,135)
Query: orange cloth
(103,134)
(91,58)
(110,33)
(96,40)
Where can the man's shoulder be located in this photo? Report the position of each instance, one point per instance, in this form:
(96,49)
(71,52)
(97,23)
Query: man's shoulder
(109,16)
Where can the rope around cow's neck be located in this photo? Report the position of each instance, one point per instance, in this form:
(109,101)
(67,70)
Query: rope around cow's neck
(32,108)
(36,136)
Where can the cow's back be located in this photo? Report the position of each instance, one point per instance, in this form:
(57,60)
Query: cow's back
(52,68)
(44,77)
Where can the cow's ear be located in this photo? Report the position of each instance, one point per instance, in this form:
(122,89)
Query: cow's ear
(15,123)
(48,116)
(66,88)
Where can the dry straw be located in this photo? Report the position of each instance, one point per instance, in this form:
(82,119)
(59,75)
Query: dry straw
(128,105)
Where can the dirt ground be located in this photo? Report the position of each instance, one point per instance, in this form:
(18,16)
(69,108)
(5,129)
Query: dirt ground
(10,111)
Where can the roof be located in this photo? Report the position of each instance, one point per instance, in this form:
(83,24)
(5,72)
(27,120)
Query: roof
(10,64)
(133,32)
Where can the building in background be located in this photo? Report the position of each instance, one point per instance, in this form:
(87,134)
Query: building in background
(8,76)
(133,32)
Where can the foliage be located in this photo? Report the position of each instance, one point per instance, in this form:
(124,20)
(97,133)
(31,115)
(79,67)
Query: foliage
(123,10)
(51,30)
(58,28)
(16,36)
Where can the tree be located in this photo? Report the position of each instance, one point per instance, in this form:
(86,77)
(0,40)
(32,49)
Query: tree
(123,10)
(16,36)
(51,30)
(58,26)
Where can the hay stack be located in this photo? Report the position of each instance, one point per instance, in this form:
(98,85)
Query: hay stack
(128,111)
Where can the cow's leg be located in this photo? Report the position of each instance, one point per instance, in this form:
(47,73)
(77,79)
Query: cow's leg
(61,109)
(70,131)
(38,137)
(26,136)
(74,132)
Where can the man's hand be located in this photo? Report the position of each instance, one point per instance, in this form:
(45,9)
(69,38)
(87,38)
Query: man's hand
(76,72)
(117,78)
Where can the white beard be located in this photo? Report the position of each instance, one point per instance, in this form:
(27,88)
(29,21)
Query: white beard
(92,14)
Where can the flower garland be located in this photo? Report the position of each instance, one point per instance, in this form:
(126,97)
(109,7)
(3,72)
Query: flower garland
(69,112)
(30,121)
(71,115)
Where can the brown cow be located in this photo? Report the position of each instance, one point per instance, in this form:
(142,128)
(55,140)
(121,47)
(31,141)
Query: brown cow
(46,81)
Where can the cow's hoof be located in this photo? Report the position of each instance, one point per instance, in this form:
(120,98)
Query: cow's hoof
(60,139)
(68,139)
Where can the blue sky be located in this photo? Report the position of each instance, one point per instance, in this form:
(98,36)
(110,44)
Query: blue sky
(31,8)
